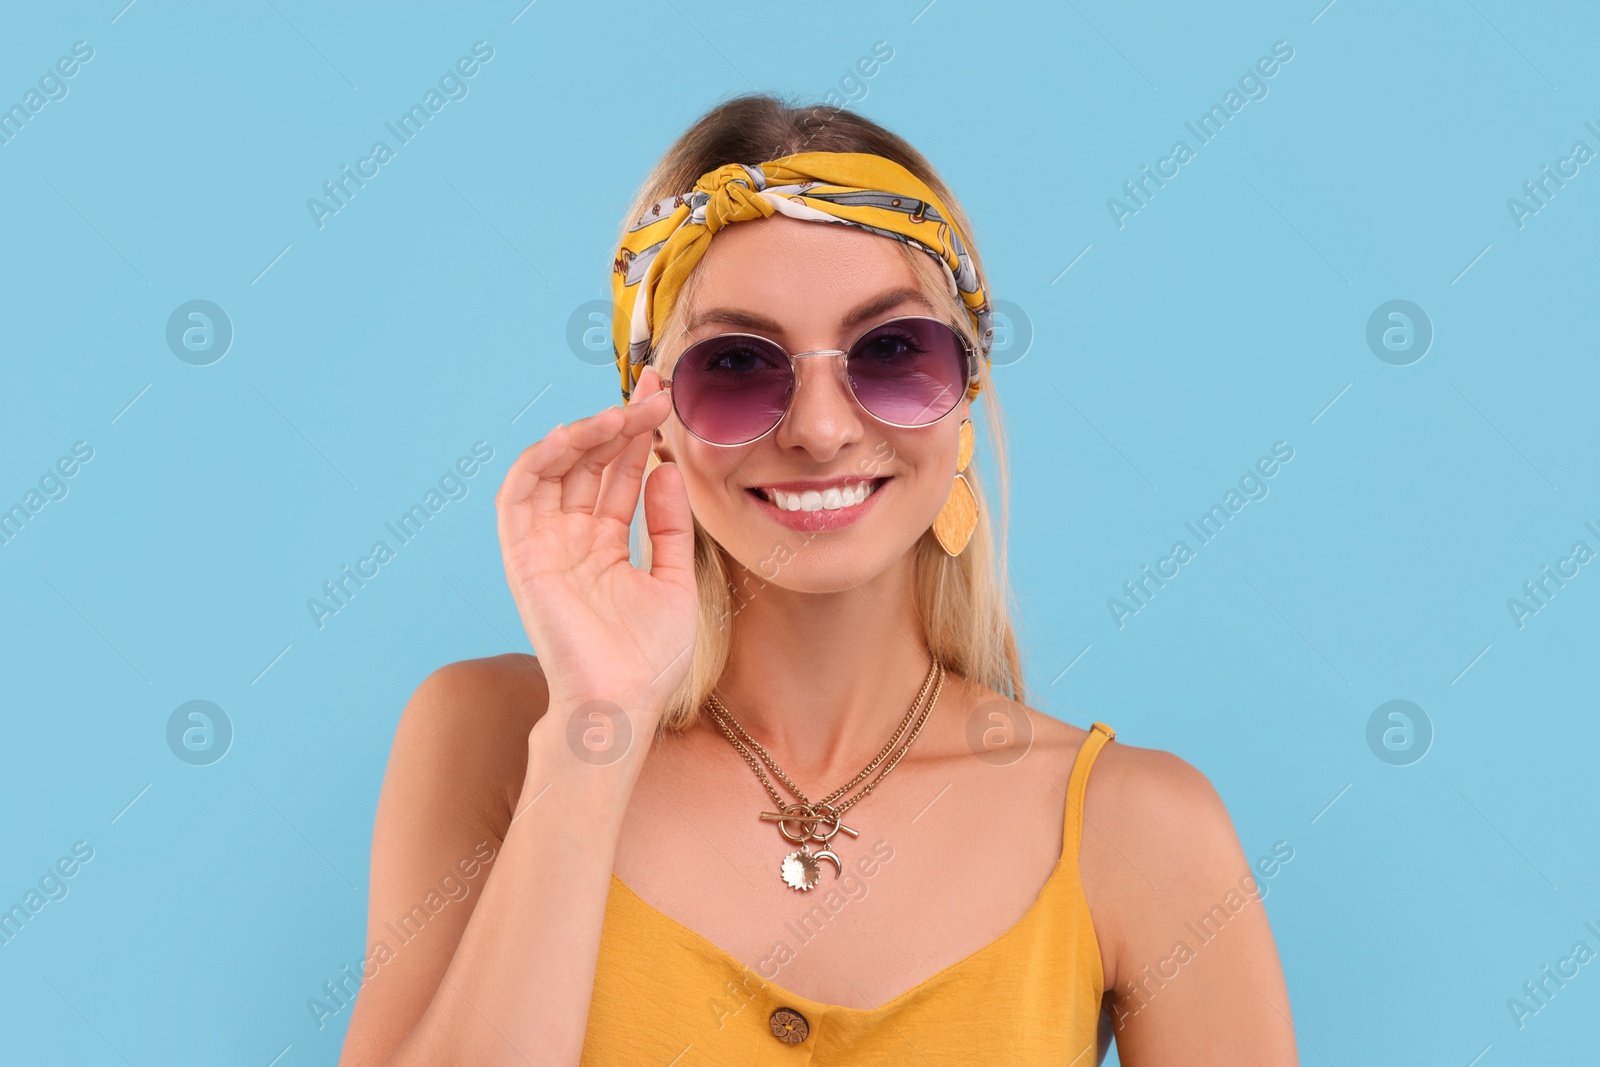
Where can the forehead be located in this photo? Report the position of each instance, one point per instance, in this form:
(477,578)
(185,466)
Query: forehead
(788,265)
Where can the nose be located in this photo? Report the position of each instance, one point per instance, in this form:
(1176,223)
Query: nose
(823,415)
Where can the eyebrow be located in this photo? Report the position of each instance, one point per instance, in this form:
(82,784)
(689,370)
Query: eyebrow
(752,320)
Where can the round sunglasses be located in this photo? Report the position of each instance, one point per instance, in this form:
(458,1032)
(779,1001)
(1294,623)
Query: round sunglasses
(734,388)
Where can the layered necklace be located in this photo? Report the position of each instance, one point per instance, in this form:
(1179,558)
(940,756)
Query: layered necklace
(804,821)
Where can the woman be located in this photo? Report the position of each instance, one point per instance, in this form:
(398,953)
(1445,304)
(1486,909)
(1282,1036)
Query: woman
(776,795)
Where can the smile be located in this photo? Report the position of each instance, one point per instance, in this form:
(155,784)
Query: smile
(831,498)
(819,508)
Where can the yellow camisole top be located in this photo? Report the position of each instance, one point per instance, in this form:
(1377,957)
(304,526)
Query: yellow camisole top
(665,995)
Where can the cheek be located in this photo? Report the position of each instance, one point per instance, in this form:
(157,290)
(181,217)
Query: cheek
(700,488)
(710,475)
(925,471)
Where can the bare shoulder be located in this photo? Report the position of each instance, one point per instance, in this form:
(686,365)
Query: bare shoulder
(1144,796)
(506,691)
(1142,793)
(1158,847)
(513,683)
(454,775)
(1152,795)
(1169,893)
(466,726)
(1152,818)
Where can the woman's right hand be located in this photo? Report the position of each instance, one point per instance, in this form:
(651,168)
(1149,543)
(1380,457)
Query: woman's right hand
(602,628)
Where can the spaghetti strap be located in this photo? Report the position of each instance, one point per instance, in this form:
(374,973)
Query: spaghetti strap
(1078,785)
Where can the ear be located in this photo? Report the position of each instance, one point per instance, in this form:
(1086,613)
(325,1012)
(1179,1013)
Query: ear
(661,447)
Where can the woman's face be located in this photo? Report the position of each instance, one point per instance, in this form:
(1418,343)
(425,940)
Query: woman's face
(807,283)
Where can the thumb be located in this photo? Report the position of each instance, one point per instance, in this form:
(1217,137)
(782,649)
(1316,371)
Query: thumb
(671,526)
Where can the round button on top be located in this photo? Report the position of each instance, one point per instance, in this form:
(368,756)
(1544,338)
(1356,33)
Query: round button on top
(789,1026)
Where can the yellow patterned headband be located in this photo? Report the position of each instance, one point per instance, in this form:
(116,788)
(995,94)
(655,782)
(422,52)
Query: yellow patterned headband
(858,189)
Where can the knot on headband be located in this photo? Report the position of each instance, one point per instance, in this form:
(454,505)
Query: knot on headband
(732,198)
(857,189)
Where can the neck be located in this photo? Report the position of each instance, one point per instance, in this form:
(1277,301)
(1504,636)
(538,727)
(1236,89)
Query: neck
(822,680)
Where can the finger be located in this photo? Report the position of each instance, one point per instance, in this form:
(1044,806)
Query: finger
(589,437)
(581,483)
(534,481)
(511,502)
(619,487)
(619,491)
(671,526)
(585,482)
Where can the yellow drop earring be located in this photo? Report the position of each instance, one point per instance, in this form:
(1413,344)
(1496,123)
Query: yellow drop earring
(955,522)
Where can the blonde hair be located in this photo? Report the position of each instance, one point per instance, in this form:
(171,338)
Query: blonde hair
(964,601)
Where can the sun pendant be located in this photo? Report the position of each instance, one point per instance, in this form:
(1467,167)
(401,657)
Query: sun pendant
(801,870)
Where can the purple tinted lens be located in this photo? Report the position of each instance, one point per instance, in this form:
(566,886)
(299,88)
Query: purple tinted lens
(732,389)
(910,371)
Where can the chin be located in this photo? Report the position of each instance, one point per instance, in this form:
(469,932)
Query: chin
(817,581)
(823,563)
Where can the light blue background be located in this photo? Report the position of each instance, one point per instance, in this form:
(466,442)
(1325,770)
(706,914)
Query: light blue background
(1228,314)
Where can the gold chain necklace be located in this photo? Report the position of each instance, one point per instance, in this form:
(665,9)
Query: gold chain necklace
(801,869)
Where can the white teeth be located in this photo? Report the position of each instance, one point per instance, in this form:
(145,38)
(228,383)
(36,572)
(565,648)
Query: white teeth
(831,499)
